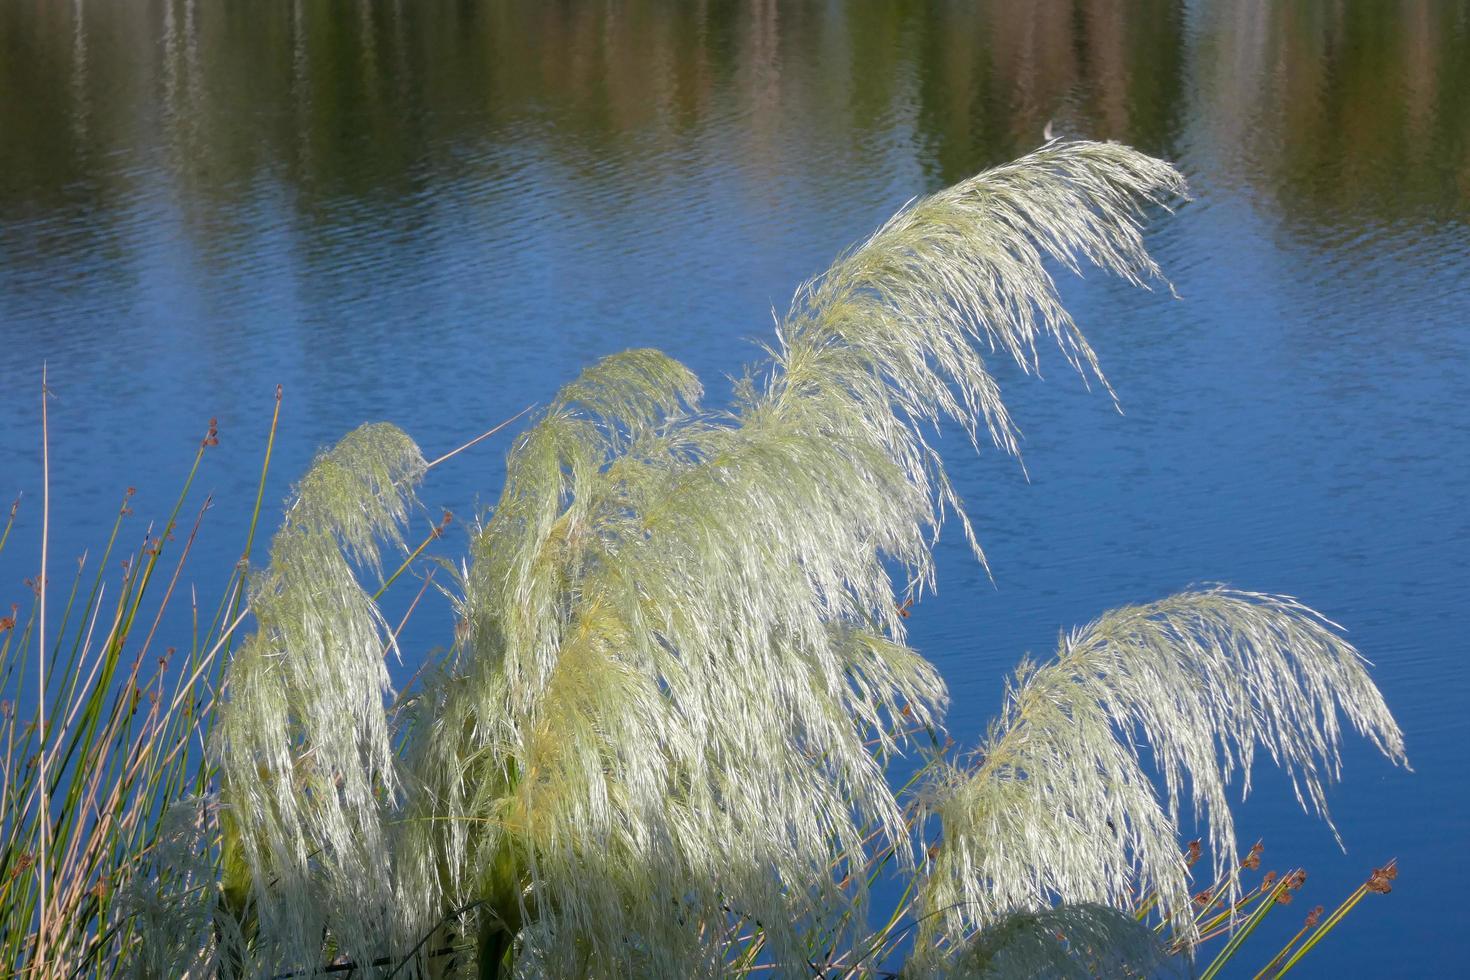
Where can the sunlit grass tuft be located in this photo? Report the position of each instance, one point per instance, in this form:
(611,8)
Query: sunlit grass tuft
(83,795)
(679,731)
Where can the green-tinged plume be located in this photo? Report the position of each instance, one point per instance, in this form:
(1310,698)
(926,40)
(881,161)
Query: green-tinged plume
(683,626)
(307,766)
(659,746)
(1060,805)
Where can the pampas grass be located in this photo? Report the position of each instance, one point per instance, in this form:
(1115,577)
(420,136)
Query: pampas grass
(661,742)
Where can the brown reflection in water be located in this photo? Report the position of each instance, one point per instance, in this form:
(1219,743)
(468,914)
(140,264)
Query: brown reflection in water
(1319,107)
(1343,108)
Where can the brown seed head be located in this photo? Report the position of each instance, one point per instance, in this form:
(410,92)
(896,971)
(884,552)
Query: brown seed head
(1378,881)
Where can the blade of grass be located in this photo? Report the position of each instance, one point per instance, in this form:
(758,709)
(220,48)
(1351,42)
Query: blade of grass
(44,817)
(1254,920)
(1378,881)
(479,438)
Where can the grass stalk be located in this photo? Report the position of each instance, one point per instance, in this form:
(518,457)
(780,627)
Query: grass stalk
(1377,882)
(44,817)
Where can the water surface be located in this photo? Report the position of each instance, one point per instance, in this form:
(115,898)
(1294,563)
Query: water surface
(435,213)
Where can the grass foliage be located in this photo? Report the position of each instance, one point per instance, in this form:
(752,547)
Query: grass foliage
(304,745)
(95,761)
(662,742)
(1099,941)
(1060,805)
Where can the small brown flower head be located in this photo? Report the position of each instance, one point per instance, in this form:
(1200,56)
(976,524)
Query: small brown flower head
(1191,856)
(1267,880)
(22,865)
(1203,898)
(1283,897)
(1253,860)
(211,438)
(906,609)
(7,623)
(1378,881)
(1296,879)
(1313,917)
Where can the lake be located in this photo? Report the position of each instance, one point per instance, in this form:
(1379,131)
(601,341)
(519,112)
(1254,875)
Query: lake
(436,212)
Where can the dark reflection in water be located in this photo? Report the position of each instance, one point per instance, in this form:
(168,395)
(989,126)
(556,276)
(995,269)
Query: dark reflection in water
(436,212)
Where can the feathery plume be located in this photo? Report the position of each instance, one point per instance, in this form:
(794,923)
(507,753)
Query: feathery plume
(307,763)
(1060,807)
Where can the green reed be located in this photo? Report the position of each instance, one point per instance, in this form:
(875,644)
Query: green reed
(93,756)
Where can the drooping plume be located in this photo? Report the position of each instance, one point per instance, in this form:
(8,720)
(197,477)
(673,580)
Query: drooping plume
(1060,806)
(682,657)
(307,764)
(683,626)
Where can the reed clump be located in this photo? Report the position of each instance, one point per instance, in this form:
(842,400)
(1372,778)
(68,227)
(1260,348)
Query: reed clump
(679,731)
(98,758)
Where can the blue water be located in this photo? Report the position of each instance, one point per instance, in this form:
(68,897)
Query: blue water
(436,213)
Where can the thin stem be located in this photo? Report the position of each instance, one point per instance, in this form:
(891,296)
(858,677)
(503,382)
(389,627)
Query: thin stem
(479,438)
(1339,913)
(45,813)
(1237,940)
(433,534)
(270,442)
